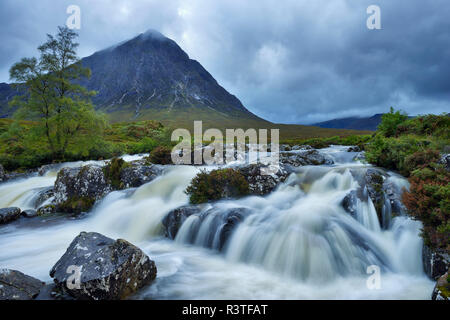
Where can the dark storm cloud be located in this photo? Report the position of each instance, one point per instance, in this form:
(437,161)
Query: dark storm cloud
(288,61)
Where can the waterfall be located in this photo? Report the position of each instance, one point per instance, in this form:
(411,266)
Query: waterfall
(297,242)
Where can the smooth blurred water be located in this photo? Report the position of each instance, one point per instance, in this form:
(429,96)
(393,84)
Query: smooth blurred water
(296,243)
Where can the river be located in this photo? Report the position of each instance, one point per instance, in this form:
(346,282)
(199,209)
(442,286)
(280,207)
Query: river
(295,243)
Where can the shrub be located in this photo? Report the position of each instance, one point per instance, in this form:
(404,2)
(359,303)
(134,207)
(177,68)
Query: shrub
(390,153)
(217,184)
(429,201)
(390,121)
(161,155)
(420,160)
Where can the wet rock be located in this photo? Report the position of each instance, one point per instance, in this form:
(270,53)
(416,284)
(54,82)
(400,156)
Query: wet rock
(445,160)
(138,174)
(2,174)
(394,197)
(29,213)
(307,157)
(361,156)
(175,218)
(221,223)
(435,262)
(262,184)
(353,149)
(110,269)
(77,189)
(47,209)
(441,290)
(285,147)
(349,203)
(9,214)
(14,285)
(43,196)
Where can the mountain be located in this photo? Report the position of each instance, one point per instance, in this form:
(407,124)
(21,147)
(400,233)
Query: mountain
(151,77)
(355,123)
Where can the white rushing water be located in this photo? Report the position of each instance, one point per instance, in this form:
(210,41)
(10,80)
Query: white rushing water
(296,243)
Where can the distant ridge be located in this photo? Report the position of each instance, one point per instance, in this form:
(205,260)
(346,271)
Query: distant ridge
(354,123)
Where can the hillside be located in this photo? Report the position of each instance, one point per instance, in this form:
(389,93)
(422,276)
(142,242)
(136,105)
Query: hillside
(355,123)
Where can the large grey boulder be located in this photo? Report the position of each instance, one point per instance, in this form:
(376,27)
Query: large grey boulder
(9,214)
(138,174)
(14,285)
(108,269)
(262,184)
(305,157)
(221,224)
(77,189)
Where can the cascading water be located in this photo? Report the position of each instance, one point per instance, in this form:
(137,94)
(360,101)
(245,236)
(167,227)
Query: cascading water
(298,242)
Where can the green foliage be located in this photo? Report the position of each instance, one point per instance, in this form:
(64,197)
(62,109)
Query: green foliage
(390,121)
(61,108)
(161,155)
(391,153)
(428,200)
(113,170)
(420,160)
(216,185)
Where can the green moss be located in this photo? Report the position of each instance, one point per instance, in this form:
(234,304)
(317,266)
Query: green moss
(113,170)
(216,185)
(76,205)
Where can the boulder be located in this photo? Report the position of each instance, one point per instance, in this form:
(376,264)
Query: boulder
(174,219)
(262,184)
(9,214)
(14,285)
(45,210)
(445,160)
(361,156)
(77,189)
(350,202)
(2,174)
(221,223)
(29,213)
(138,174)
(108,269)
(354,149)
(306,157)
(441,290)
(43,196)
(436,262)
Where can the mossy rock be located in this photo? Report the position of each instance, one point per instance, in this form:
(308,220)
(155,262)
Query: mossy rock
(160,155)
(76,205)
(113,172)
(216,185)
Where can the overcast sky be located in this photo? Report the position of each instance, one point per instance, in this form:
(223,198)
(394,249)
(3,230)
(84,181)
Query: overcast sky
(298,61)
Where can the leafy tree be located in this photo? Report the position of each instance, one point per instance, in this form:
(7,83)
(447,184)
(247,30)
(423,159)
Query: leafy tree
(53,97)
(390,121)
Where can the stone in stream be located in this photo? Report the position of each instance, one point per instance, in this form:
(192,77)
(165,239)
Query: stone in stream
(2,174)
(29,213)
(9,214)
(260,184)
(435,261)
(222,223)
(77,189)
(14,285)
(136,175)
(305,157)
(441,290)
(107,269)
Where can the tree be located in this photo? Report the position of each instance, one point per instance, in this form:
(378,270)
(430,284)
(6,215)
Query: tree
(53,97)
(390,121)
